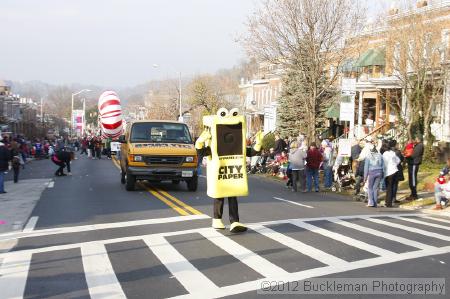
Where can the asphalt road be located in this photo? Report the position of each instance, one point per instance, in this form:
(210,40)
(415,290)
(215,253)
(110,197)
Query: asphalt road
(93,239)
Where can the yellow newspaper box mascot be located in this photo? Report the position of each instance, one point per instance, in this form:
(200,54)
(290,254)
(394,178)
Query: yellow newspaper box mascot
(224,140)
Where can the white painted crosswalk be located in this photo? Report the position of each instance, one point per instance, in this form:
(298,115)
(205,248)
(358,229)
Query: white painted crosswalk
(103,281)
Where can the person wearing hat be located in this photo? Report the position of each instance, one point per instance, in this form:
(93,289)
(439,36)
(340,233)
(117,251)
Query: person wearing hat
(373,174)
(367,149)
(297,157)
(442,187)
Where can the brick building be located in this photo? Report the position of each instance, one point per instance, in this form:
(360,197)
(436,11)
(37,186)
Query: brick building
(372,63)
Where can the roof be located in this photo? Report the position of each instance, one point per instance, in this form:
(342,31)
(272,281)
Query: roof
(372,57)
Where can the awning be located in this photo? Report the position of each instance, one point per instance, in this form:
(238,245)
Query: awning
(333,111)
(372,57)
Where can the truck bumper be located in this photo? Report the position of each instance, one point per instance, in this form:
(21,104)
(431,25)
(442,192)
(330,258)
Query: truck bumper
(162,174)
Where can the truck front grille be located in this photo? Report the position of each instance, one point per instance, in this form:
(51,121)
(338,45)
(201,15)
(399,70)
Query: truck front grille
(165,160)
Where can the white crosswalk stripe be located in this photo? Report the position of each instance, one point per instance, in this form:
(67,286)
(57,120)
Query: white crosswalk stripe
(251,259)
(13,275)
(345,239)
(178,265)
(381,234)
(100,277)
(103,283)
(422,222)
(299,246)
(411,229)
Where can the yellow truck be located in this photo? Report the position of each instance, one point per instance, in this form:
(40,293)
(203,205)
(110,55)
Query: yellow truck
(157,150)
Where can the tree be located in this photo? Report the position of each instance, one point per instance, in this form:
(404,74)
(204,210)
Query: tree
(204,92)
(59,101)
(415,47)
(306,37)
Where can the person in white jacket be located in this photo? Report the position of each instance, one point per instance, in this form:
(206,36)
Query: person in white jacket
(391,162)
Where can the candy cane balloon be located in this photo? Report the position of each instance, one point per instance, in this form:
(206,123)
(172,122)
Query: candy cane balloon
(110,113)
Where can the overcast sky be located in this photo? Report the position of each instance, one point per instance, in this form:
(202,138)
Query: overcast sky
(114,43)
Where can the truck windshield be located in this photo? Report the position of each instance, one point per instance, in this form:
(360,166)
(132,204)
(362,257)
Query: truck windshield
(160,132)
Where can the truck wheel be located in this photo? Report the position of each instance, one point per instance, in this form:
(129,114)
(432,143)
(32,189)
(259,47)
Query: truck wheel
(122,177)
(175,182)
(192,184)
(130,182)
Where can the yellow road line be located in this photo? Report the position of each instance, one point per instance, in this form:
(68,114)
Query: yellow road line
(185,206)
(182,209)
(115,162)
(167,202)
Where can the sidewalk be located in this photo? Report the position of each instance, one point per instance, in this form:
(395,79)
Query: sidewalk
(18,203)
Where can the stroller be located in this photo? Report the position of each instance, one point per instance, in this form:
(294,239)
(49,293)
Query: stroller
(257,165)
(343,178)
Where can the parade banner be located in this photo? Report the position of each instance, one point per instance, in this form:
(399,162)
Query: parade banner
(78,121)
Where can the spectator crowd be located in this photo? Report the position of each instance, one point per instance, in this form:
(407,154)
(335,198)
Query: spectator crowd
(371,166)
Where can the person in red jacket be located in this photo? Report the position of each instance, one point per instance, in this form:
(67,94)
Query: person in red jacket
(313,160)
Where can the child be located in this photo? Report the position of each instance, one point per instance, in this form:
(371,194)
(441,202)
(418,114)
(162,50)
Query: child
(409,148)
(442,188)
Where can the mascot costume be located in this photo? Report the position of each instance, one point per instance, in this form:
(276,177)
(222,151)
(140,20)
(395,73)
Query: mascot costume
(223,141)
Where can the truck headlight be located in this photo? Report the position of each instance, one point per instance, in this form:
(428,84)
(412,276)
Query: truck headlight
(138,158)
(189,159)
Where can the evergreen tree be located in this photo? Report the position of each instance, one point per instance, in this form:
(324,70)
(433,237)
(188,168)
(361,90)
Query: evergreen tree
(293,113)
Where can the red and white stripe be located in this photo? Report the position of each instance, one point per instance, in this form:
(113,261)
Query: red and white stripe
(110,114)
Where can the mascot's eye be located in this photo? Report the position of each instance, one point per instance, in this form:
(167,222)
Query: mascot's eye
(222,112)
(234,112)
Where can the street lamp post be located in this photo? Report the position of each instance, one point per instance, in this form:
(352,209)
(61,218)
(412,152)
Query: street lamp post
(180,117)
(71,114)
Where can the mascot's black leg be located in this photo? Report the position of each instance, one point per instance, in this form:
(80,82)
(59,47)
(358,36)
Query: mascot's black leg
(233,209)
(218,212)
(235,227)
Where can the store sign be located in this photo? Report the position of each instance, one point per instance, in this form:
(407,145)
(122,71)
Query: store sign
(348,87)
(347,111)
(345,147)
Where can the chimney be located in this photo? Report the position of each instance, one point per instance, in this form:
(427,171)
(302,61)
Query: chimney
(421,3)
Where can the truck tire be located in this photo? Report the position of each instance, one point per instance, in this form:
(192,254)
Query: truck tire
(192,184)
(130,182)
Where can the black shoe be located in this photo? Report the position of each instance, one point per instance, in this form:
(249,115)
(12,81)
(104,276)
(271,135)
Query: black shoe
(63,174)
(397,201)
(3,192)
